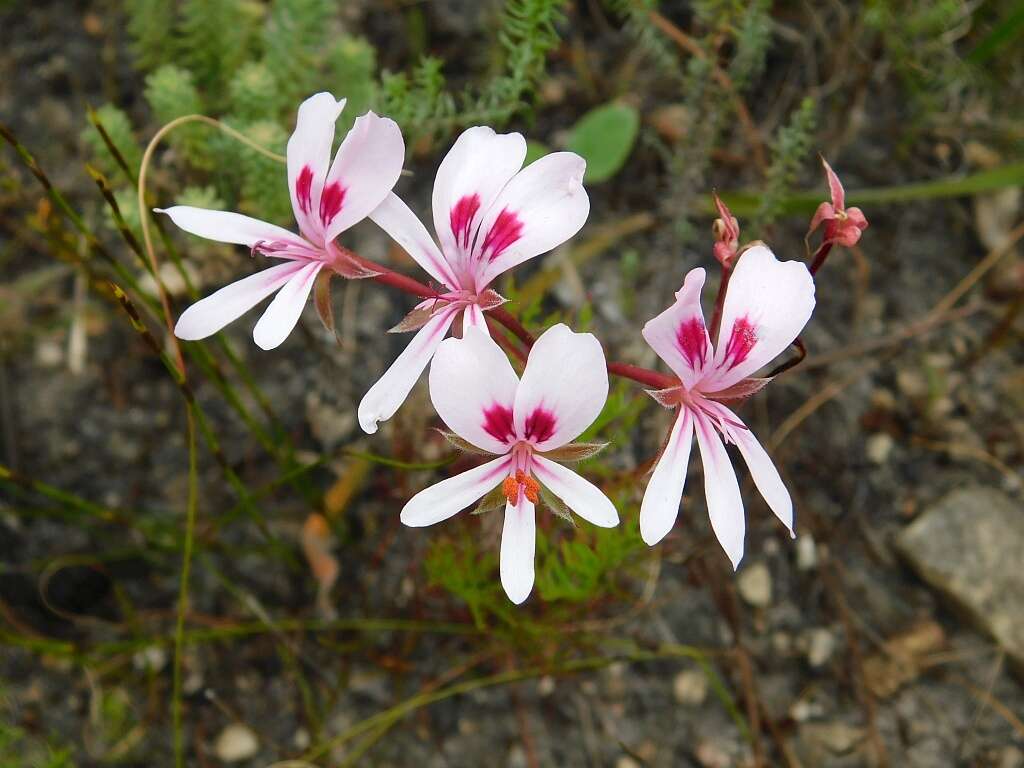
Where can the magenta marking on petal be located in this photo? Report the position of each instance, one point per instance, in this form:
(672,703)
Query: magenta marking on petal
(539,426)
(692,342)
(498,422)
(741,341)
(331,201)
(507,228)
(461,218)
(303,188)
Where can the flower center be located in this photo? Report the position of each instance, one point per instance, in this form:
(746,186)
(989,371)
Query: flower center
(520,483)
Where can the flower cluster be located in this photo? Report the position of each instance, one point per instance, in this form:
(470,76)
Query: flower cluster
(491,214)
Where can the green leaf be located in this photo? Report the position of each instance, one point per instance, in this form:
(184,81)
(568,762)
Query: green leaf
(604,137)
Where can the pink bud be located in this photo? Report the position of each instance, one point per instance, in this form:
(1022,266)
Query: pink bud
(842,226)
(727,233)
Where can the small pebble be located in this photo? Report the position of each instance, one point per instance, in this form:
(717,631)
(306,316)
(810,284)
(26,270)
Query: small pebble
(821,644)
(690,687)
(152,659)
(236,743)
(301,739)
(546,685)
(755,585)
(879,448)
(710,755)
(806,552)
(49,354)
(625,761)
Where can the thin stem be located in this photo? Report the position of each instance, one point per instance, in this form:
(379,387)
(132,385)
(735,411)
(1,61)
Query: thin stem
(723,286)
(186,567)
(820,255)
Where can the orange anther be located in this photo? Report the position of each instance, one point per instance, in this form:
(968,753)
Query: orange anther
(510,487)
(531,489)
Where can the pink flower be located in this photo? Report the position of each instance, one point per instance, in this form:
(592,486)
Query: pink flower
(842,225)
(490,214)
(480,398)
(327,199)
(767,304)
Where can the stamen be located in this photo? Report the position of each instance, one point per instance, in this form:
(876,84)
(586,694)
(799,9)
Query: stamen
(510,487)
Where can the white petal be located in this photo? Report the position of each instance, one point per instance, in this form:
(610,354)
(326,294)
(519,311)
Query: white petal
(387,395)
(473,388)
(660,507)
(563,390)
(762,468)
(766,306)
(473,317)
(471,175)
(447,498)
(368,163)
(395,218)
(309,153)
(678,334)
(283,313)
(518,544)
(541,207)
(225,227)
(209,315)
(725,505)
(579,494)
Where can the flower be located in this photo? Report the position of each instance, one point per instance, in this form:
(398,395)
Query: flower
(489,216)
(327,199)
(524,423)
(842,225)
(767,304)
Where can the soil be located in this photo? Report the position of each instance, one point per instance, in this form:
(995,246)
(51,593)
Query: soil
(898,427)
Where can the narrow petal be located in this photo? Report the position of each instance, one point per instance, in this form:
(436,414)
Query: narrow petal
(473,317)
(368,163)
(766,306)
(579,494)
(225,227)
(209,315)
(762,469)
(387,395)
(563,390)
(451,496)
(518,545)
(309,153)
(283,313)
(725,505)
(678,334)
(540,208)
(395,218)
(473,388)
(660,507)
(474,171)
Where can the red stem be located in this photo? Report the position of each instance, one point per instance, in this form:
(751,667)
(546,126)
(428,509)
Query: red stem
(716,318)
(820,256)
(501,315)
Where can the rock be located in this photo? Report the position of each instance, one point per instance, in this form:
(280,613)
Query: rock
(879,447)
(826,743)
(806,552)
(236,743)
(711,755)
(152,658)
(967,546)
(821,644)
(690,687)
(755,585)
(626,762)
